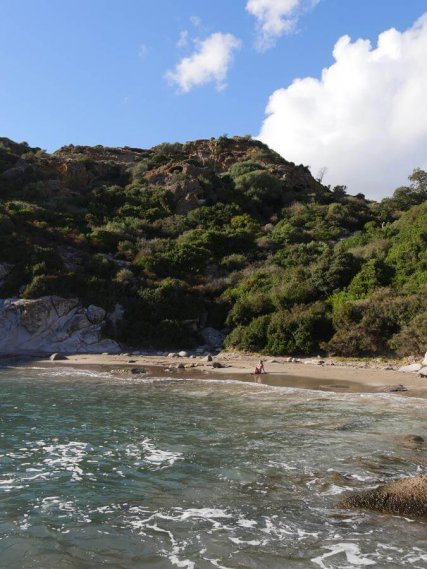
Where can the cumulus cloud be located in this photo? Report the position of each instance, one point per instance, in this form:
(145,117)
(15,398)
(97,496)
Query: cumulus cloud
(208,64)
(365,120)
(276,17)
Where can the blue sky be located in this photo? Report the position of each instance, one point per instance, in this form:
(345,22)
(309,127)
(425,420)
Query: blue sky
(93,71)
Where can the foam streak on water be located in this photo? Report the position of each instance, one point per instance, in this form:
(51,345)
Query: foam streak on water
(98,471)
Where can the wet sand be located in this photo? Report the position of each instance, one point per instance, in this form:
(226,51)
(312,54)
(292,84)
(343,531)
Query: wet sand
(337,378)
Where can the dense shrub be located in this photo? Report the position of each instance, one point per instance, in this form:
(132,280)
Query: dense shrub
(260,187)
(411,339)
(298,331)
(372,326)
(250,338)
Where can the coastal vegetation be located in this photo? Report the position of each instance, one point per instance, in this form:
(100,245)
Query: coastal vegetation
(222,233)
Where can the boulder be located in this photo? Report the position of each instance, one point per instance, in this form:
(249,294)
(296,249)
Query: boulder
(138,370)
(424,362)
(183,354)
(405,497)
(180,366)
(218,365)
(52,324)
(95,314)
(411,441)
(56,357)
(412,368)
(208,358)
(212,337)
(394,388)
(314,362)
(423,372)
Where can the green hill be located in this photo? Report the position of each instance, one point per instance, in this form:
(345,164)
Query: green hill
(222,233)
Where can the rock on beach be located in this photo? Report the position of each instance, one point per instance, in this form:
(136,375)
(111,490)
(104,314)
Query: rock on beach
(412,368)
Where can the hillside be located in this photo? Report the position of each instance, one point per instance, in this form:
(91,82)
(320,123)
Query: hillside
(220,233)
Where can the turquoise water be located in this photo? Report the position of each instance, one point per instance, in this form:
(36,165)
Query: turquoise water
(100,471)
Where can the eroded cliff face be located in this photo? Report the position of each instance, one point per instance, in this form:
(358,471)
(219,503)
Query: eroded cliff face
(52,324)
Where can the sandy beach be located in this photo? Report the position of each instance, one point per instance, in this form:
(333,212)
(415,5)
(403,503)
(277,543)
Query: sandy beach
(358,376)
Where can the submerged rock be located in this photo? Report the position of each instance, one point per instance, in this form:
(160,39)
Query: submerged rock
(411,441)
(406,497)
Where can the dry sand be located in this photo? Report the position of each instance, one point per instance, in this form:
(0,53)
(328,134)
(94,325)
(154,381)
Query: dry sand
(327,377)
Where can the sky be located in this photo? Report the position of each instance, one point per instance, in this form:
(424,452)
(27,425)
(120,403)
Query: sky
(338,85)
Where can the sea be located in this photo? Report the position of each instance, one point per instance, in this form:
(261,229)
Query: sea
(100,470)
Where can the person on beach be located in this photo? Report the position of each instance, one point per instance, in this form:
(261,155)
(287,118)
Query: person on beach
(259,368)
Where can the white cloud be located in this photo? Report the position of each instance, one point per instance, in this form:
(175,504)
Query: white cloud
(365,119)
(209,63)
(196,21)
(276,17)
(142,51)
(183,39)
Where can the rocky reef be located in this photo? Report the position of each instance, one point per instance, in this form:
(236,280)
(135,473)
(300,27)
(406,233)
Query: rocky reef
(52,324)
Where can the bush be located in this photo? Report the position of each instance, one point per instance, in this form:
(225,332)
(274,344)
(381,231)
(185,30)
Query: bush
(251,338)
(241,168)
(284,233)
(233,262)
(260,187)
(411,339)
(300,330)
(371,326)
(249,307)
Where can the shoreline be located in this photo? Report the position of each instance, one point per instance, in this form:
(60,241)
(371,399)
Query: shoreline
(339,378)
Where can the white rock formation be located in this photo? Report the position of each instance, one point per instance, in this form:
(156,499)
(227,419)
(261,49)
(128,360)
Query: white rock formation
(411,368)
(52,324)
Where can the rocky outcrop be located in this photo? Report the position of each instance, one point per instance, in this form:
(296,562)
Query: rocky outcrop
(52,324)
(406,497)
